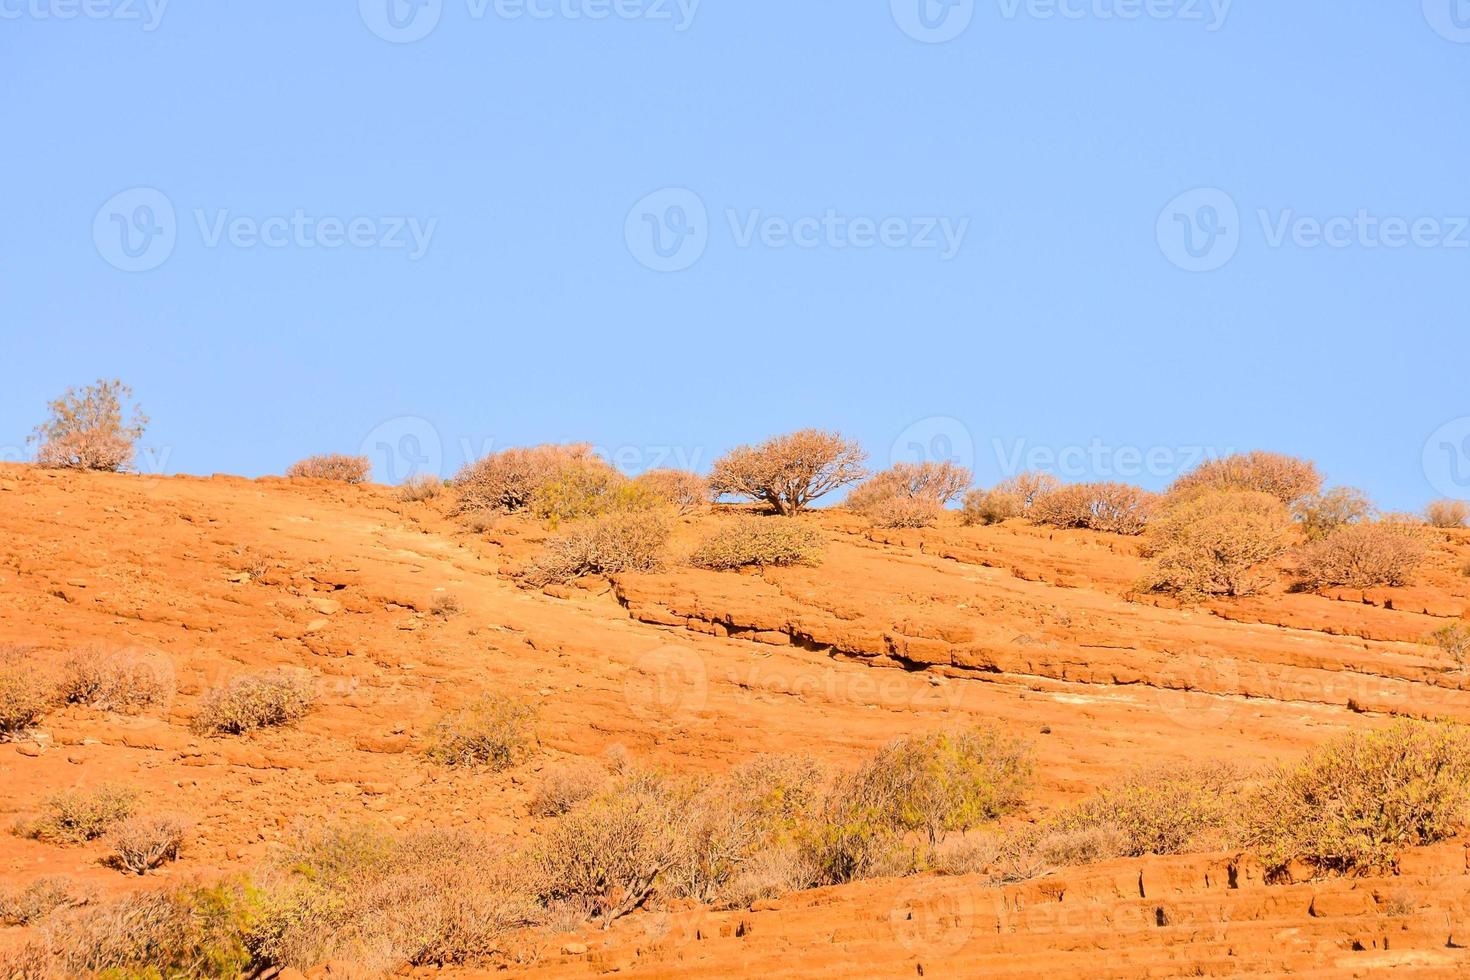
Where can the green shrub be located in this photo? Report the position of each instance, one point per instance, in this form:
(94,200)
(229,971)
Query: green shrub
(332,466)
(1161,811)
(581,488)
(610,544)
(75,816)
(1357,802)
(754,541)
(494,731)
(256,701)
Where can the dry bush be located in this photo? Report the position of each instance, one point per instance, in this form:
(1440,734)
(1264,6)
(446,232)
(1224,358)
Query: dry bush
(1117,508)
(76,816)
(331,466)
(564,786)
(1218,543)
(24,693)
(1447,513)
(906,512)
(936,483)
(34,902)
(86,430)
(189,931)
(1161,811)
(1283,477)
(384,901)
(990,507)
(1322,513)
(967,855)
(493,731)
(760,542)
(1028,487)
(685,492)
(1454,640)
(1354,804)
(445,606)
(507,480)
(1362,556)
(125,681)
(417,489)
(622,541)
(1083,845)
(256,701)
(789,472)
(146,841)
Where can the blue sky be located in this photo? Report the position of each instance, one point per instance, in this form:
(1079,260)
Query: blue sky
(963,239)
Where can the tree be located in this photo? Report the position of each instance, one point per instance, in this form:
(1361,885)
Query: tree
(86,430)
(936,483)
(789,472)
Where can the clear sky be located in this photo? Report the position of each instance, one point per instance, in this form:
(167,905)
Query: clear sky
(667,228)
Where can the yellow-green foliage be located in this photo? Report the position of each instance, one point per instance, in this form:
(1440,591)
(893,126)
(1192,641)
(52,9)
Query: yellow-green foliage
(586,487)
(493,731)
(1359,800)
(75,816)
(1161,811)
(758,541)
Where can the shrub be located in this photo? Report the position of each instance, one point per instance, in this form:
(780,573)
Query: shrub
(184,932)
(1160,811)
(332,466)
(255,701)
(1454,640)
(1283,477)
(564,786)
(580,488)
(936,483)
(1219,543)
(37,900)
(142,843)
(1359,800)
(1028,487)
(76,816)
(86,431)
(419,488)
(445,606)
(1447,513)
(1116,508)
(685,492)
(1322,513)
(507,480)
(990,507)
(900,512)
(494,731)
(760,542)
(126,681)
(789,472)
(1362,556)
(624,541)
(24,694)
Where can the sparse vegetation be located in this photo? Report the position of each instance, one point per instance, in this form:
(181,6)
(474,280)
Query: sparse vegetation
(445,606)
(332,466)
(493,731)
(30,904)
(1117,508)
(125,681)
(685,492)
(1321,514)
(748,541)
(506,481)
(1453,639)
(1161,811)
(1287,479)
(789,472)
(1447,513)
(564,786)
(580,488)
(416,489)
(1362,556)
(24,693)
(143,842)
(990,507)
(1357,802)
(933,483)
(622,541)
(86,429)
(910,512)
(256,701)
(1219,542)
(76,816)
